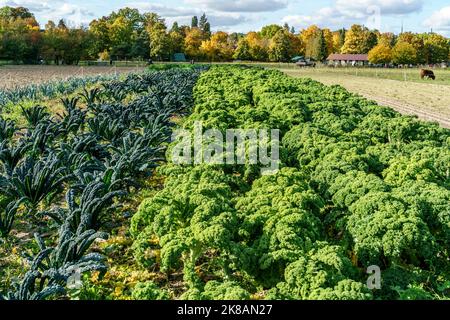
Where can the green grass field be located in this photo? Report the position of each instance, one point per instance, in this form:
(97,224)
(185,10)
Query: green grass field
(411,75)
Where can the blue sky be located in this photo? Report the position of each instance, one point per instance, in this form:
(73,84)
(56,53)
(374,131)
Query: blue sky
(247,15)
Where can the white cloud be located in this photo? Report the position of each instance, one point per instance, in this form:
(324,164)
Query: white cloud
(32,5)
(164,10)
(240,5)
(345,13)
(329,17)
(388,7)
(226,20)
(218,21)
(439,20)
(183,15)
(75,15)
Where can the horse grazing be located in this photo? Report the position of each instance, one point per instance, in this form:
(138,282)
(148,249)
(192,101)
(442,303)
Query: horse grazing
(427,74)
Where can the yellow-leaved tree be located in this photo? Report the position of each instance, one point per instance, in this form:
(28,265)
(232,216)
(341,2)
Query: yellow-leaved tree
(258,46)
(359,40)
(380,54)
(218,48)
(404,53)
(192,42)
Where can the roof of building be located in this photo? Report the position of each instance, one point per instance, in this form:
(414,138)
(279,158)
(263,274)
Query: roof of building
(349,57)
(297,58)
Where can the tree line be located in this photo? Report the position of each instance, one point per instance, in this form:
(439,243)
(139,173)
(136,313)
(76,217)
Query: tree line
(128,35)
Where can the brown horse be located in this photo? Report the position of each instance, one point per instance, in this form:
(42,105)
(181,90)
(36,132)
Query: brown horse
(427,74)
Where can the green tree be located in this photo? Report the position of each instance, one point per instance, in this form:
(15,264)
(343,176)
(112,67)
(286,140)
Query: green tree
(159,40)
(100,29)
(404,53)
(118,34)
(122,37)
(270,31)
(242,51)
(194,22)
(20,37)
(176,41)
(141,45)
(388,39)
(436,48)
(10,13)
(321,49)
(205,26)
(417,41)
(283,46)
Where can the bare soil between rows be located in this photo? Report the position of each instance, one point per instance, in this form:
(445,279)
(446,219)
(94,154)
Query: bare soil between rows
(19,76)
(409,109)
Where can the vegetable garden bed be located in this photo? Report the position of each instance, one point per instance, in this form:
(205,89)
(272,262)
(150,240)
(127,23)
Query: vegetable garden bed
(359,185)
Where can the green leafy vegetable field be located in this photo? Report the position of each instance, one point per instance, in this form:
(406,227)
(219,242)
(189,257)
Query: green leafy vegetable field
(358,186)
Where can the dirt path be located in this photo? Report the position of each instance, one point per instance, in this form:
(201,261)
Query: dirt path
(409,109)
(429,101)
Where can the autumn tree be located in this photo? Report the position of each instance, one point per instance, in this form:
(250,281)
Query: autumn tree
(234,39)
(218,48)
(308,37)
(329,43)
(404,53)
(121,35)
(61,44)
(283,46)
(316,48)
(258,46)
(380,54)
(338,40)
(52,45)
(318,43)
(388,39)
(192,43)
(359,40)
(417,41)
(20,37)
(436,48)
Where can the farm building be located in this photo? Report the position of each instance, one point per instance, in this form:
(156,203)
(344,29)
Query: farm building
(348,59)
(179,57)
